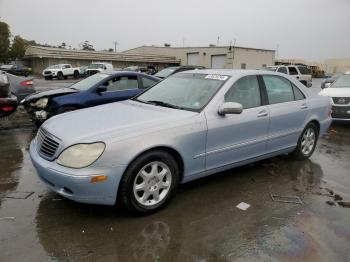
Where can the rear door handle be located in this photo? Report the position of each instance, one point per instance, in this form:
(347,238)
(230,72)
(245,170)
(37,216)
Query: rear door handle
(262,113)
(304,106)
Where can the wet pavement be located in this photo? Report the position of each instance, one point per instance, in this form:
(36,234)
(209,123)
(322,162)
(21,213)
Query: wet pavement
(201,224)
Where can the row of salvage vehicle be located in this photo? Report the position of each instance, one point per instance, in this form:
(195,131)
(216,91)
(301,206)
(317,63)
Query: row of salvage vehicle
(192,124)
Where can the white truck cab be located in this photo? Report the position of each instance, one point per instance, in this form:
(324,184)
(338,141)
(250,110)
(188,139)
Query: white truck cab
(302,73)
(99,67)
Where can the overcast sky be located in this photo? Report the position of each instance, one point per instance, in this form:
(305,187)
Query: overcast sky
(305,29)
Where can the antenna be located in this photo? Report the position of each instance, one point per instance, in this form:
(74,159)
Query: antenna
(115,46)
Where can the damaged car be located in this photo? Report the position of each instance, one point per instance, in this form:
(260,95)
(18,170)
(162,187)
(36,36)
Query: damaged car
(8,102)
(101,88)
(190,125)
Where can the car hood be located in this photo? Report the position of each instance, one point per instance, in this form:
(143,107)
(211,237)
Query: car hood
(50,93)
(335,92)
(115,121)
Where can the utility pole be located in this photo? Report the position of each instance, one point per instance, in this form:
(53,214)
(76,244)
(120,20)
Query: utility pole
(233,52)
(115,46)
(217,43)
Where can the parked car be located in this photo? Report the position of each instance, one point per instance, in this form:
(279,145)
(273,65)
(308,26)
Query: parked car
(301,73)
(21,86)
(95,68)
(339,92)
(17,69)
(329,81)
(8,102)
(61,71)
(166,72)
(188,126)
(95,90)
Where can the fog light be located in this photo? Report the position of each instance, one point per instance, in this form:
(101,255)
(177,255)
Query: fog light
(97,179)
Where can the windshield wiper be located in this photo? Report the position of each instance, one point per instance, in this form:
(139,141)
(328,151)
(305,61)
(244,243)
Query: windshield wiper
(161,103)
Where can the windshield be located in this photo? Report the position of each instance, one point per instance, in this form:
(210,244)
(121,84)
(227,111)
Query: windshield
(54,67)
(94,66)
(165,72)
(88,82)
(342,82)
(184,91)
(270,68)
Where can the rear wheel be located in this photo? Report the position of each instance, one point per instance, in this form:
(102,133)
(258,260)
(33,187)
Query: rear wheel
(307,142)
(149,182)
(60,76)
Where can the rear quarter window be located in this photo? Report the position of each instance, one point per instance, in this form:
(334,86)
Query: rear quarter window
(304,70)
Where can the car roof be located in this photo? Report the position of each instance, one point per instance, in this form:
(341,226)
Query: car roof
(227,72)
(114,72)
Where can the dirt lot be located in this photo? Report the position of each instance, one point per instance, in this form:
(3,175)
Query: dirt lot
(201,224)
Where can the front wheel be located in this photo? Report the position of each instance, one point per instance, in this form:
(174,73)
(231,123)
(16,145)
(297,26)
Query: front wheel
(149,182)
(60,76)
(76,74)
(307,142)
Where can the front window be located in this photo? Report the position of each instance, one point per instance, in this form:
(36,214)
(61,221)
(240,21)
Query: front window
(88,82)
(184,91)
(165,72)
(342,82)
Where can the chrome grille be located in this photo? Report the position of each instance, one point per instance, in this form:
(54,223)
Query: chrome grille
(47,144)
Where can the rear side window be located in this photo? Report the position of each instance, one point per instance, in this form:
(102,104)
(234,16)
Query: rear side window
(304,70)
(122,83)
(298,94)
(279,89)
(282,70)
(147,83)
(245,91)
(292,70)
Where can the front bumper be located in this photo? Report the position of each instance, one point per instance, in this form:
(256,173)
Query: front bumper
(75,184)
(341,113)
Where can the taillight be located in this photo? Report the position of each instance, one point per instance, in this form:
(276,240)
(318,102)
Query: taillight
(7,108)
(27,83)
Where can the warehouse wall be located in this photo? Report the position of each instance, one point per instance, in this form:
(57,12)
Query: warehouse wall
(252,58)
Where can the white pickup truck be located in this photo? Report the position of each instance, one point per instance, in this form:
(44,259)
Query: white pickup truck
(61,71)
(302,73)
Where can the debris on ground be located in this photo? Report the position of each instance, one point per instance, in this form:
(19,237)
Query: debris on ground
(243,206)
(337,197)
(19,195)
(331,203)
(286,199)
(344,204)
(7,218)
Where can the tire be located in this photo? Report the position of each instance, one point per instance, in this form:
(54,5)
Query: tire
(76,75)
(65,109)
(60,76)
(303,151)
(134,200)
(48,77)
(304,83)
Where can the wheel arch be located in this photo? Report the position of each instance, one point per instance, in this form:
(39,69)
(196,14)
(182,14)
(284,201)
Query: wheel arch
(316,122)
(173,152)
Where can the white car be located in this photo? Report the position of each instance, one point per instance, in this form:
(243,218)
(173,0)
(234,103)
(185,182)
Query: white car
(339,92)
(61,71)
(302,73)
(98,68)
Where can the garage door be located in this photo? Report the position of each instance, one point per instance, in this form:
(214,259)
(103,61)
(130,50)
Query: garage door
(218,61)
(193,58)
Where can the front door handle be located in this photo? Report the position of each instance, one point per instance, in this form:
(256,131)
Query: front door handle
(262,113)
(304,106)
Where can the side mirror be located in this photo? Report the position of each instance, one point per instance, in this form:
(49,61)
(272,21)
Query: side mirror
(230,108)
(101,89)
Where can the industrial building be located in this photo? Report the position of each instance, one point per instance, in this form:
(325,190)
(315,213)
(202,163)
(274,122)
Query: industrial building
(41,57)
(213,56)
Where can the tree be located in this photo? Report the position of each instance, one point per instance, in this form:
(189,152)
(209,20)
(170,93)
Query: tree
(63,45)
(87,46)
(4,41)
(18,48)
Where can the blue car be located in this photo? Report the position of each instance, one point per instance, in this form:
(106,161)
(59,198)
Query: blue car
(95,90)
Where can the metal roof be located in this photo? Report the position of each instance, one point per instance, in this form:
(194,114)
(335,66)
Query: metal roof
(49,52)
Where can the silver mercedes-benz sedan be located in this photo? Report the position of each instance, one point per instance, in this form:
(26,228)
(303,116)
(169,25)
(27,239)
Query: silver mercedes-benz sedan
(190,125)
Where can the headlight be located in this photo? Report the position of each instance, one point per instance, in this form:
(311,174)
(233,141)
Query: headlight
(42,102)
(81,155)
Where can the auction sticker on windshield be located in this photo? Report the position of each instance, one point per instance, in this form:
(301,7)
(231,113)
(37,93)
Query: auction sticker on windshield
(216,77)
